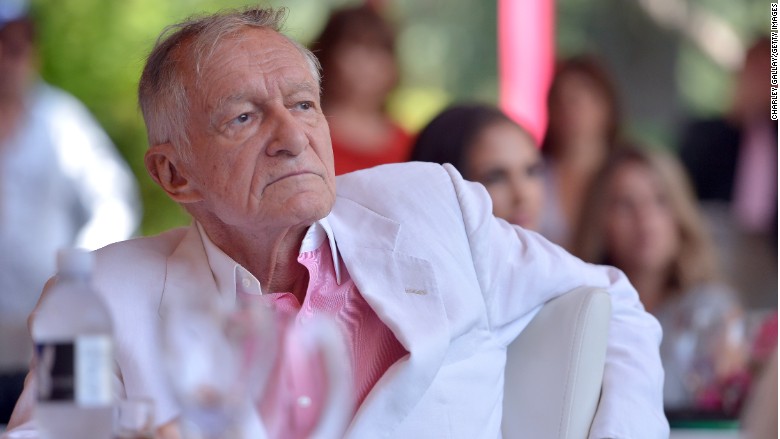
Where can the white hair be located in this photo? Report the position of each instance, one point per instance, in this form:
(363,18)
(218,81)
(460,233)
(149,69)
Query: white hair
(161,91)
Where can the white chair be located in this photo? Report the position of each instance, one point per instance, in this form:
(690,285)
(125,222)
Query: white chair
(555,368)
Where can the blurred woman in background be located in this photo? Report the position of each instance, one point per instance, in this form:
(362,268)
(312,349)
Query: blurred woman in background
(640,216)
(582,131)
(357,52)
(488,147)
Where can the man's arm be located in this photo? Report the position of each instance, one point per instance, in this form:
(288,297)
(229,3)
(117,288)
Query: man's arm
(519,270)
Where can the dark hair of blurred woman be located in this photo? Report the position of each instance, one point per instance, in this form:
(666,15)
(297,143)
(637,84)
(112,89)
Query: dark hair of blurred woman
(488,147)
(447,136)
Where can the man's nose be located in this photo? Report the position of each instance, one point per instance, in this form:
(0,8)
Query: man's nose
(288,135)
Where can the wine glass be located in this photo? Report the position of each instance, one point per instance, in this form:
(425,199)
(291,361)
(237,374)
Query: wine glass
(321,338)
(134,419)
(312,351)
(711,350)
(218,356)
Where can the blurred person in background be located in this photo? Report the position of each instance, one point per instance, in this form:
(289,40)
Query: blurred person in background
(488,147)
(359,70)
(641,217)
(732,162)
(62,184)
(582,130)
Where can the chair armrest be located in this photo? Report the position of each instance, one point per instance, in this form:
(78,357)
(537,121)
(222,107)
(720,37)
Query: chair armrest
(554,369)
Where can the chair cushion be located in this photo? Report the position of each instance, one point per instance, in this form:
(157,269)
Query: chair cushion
(555,368)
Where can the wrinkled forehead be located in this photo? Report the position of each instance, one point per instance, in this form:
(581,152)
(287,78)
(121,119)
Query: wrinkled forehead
(247,45)
(206,52)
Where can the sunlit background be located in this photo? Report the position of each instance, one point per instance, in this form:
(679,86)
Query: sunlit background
(672,59)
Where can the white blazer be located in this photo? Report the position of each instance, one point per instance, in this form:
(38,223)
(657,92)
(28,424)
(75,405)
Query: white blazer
(453,283)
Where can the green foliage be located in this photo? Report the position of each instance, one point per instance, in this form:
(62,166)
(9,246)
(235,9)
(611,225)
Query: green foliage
(95,50)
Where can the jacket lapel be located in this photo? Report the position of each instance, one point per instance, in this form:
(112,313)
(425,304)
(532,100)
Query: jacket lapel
(402,290)
(188,272)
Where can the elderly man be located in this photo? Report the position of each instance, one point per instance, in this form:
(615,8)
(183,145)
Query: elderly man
(438,286)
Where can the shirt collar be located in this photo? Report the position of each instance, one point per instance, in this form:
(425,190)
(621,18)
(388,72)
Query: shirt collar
(231,277)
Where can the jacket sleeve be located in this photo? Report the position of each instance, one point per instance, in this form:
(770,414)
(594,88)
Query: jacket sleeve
(519,270)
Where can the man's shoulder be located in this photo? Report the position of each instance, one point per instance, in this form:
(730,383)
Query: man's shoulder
(412,179)
(423,194)
(139,255)
(393,171)
(162,243)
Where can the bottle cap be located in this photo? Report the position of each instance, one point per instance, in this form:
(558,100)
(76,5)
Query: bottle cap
(75,261)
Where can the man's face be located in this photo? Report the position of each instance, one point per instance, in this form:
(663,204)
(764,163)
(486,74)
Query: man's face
(261,150)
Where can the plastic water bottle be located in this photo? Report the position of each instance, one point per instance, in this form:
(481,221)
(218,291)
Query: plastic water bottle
(74,355)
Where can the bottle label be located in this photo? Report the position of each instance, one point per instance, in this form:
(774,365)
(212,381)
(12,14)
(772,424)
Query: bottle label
(79,371)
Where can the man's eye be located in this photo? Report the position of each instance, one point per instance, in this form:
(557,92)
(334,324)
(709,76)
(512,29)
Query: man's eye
(242,118)
(305,105)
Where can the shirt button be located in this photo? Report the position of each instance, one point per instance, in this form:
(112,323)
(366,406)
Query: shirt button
(304,401)
(246,283)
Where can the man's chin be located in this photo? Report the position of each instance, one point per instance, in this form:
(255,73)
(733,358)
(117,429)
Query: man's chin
(310,206)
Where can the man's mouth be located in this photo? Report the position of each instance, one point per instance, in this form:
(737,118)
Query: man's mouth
(290,175)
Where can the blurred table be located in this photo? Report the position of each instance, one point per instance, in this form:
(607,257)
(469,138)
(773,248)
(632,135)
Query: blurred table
(692,433)
(705,429)
(696,424)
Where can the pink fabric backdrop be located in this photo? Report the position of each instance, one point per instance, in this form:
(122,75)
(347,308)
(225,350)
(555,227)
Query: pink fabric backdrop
(526,57)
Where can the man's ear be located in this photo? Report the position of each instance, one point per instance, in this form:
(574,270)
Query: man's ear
(165,166)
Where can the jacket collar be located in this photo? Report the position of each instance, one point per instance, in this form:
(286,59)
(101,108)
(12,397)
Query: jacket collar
(187,272)
(229,274)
